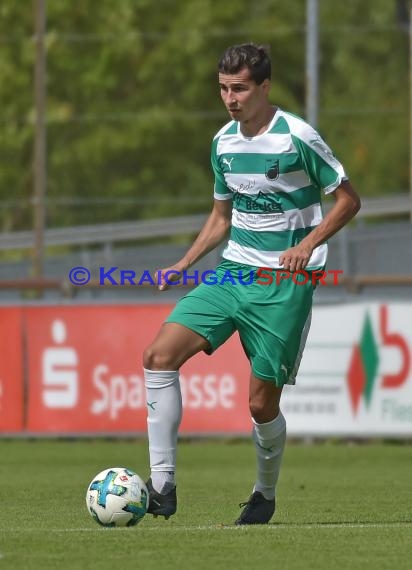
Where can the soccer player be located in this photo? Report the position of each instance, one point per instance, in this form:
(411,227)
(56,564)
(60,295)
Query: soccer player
(270,169)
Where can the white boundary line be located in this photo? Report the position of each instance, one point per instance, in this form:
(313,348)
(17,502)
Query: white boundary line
(184,528)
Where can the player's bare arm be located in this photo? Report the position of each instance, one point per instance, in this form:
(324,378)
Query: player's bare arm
(347,204)
(214,231)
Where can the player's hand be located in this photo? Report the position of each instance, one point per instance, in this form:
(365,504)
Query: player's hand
(295,258)
(165,277)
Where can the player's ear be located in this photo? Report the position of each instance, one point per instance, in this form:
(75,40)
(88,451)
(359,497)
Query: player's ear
(265,85)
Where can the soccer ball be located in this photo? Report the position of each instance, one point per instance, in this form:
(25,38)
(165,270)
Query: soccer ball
(117,497)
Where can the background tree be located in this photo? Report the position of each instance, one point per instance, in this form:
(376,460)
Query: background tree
(133,100)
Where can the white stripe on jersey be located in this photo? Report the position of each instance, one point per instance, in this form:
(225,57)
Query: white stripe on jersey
(312,138)
(255,183)
(289,220)
(218,196)
(258,258)
(233,144)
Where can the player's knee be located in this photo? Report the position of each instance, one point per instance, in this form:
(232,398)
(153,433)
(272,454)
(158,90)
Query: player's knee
(262,411)
(156,359)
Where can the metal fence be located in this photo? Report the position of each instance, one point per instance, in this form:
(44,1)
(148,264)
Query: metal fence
(376,260)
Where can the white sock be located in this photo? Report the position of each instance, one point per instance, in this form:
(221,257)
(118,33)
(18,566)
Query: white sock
(164,413)
(269,439)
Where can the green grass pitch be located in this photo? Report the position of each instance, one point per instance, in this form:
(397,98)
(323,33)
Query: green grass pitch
(340,506)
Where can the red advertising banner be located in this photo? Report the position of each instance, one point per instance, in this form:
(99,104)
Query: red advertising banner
(85,373)
(11,370)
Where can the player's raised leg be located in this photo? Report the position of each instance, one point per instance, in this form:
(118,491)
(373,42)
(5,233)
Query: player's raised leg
(269,436)
(173,345)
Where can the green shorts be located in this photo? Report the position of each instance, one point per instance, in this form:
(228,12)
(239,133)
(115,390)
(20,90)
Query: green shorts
(272,319)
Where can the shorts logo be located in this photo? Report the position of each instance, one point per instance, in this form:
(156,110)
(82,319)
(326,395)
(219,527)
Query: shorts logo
(272,169)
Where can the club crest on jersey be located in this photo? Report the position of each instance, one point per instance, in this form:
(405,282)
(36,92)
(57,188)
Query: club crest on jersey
(272,169)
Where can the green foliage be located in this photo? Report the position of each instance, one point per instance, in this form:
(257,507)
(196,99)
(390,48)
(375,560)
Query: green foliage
(133,104)
(365,93)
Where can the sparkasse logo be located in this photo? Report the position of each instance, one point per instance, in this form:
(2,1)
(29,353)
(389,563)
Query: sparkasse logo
(363,373)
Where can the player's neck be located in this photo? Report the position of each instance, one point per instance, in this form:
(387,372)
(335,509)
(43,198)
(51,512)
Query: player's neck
(259,124)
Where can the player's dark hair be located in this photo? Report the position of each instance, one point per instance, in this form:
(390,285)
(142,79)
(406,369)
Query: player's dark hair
(253,57)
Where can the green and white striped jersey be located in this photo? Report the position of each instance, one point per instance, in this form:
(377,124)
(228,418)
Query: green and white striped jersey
(275,181)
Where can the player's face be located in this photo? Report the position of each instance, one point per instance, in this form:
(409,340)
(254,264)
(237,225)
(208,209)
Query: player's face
(243,98)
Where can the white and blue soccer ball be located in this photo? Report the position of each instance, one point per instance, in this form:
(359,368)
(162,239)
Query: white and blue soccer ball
(117,497)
